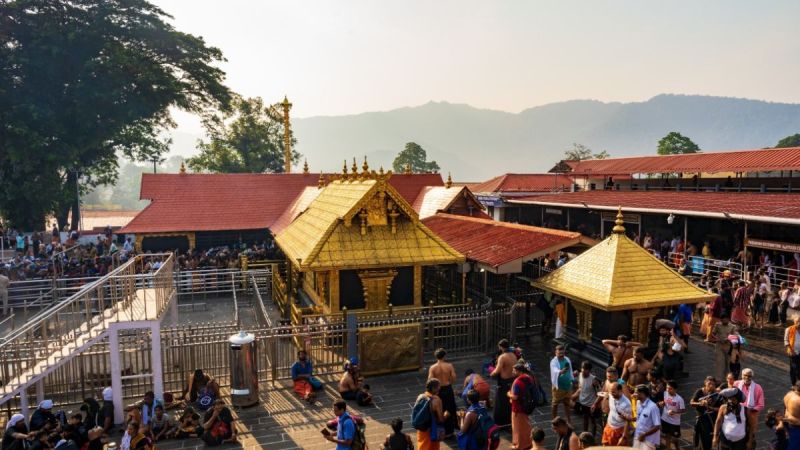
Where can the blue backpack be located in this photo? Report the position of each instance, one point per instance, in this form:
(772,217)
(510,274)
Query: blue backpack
(421,414)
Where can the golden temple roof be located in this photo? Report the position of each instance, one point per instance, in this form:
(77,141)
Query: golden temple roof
(361,221)
(618,274)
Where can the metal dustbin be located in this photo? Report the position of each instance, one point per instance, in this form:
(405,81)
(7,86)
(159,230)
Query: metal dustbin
(244,373)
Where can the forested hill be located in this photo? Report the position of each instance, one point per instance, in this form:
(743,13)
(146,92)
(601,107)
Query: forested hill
(476,144)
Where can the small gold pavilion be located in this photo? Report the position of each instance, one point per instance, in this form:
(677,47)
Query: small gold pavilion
(617,287)
(359,245)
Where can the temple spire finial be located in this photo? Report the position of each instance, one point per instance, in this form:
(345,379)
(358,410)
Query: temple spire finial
(321,181)
(365,166)
(619,224)
(305,167)
(354,169)
(449,182)
(408,169)
(183,168)
(344,169)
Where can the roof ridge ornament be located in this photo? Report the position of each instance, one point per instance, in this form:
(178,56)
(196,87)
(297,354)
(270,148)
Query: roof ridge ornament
(619,224)
(183,168)
(449,182)
(407,169)
(365,167)
(354,170)
(321,182)
(305,167)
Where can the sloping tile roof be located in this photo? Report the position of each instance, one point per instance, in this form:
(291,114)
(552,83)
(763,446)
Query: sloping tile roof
(617,274)
(214,202)
(706,162)
(779,208)
(297,207)
(496,243)
(328,235)
(218,202)
(523,182)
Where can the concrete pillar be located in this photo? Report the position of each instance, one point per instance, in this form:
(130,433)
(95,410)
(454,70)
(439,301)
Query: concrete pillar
(155,357)
(116,376)
(23,403)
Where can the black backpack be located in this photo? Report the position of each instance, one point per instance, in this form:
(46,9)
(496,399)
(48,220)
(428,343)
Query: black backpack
(532,396)
(359,437)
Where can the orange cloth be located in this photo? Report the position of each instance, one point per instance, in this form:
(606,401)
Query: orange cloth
(792,333)
(611,436)
(520,431)
(481,387)
(561,313)
(303,388)
(424,441)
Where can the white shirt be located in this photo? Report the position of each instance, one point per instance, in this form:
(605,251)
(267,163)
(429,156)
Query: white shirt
(648,417)
(588,394)
(672,404)
(555,370)
(617,406)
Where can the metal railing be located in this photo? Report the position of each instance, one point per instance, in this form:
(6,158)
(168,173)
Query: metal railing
(697,265)
(261,308)
(56,333)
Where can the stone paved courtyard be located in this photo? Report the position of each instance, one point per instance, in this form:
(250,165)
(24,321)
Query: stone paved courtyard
(283,421)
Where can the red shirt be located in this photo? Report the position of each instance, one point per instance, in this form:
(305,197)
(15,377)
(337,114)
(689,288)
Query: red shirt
(518,389)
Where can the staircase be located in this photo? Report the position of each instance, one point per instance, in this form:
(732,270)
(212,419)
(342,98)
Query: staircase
(61,332)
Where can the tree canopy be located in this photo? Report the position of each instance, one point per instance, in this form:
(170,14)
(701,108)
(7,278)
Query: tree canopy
(789,141)
(247,139)
(579,152)
(675,143)
(416,157)
(83,82)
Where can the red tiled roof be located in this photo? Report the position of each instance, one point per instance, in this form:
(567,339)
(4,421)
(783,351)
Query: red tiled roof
(497,243)
(778,208)
(710,162)
(217,202)
(523,182)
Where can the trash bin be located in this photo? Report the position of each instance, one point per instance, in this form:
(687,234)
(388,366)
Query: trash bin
(244,372)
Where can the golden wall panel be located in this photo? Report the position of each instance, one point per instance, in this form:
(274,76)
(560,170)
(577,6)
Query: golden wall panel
(389,349)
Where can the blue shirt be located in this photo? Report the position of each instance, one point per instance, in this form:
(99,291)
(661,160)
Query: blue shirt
(685,313)
(299,368)
(345,430)
(647,417)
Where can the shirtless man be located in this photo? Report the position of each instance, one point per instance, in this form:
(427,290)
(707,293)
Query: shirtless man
(621,350)
(635,370)
(505,376)
(791,417)
(446,374)
(612,378)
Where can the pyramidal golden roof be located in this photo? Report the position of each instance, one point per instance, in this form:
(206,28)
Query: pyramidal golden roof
(360,221)
(618,274)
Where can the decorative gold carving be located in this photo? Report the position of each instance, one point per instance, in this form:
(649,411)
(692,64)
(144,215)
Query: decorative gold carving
(363,216)
(333,294)
(287,136)
(393,215)
(377,285)
(389,349)
(641,321)
(365,168)
(619,224)
(449,182)
(376,213)
(321,182)
(354,171)
(583,319)
(417,285)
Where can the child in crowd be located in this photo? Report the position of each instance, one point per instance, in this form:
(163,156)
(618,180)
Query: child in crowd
(398,440)
(673,407)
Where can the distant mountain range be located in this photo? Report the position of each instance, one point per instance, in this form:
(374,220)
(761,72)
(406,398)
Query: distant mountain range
(477,144)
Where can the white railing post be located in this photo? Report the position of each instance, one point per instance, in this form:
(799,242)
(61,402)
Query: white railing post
(116,375)
(155,357)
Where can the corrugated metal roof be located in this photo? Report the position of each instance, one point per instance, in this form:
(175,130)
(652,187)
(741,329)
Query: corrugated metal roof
(770,207)
(523,182)
(761,160)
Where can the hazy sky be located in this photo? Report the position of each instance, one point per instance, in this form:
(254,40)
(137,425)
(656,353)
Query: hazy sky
(343,57)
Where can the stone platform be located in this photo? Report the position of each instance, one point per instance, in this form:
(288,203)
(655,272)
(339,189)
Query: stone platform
(282,421)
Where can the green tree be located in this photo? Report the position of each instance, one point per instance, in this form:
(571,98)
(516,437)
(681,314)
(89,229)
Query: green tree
(416,157)
(789,141)
(676,144)
(248,139)
(580,152)
(82,82)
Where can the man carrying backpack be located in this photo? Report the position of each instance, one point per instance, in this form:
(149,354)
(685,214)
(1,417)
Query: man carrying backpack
(478,430)
(345,430)
(521,396)
(428,417)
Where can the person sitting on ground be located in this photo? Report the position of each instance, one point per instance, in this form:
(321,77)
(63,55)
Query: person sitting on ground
(161,425)
(474,381)
(142,412)
(15,434)
(43,417)
(77,431)
(188,425)
(135,438)
(201,390)
(91,413)
(218,425)
(398,440)
(304,382)
(352,387)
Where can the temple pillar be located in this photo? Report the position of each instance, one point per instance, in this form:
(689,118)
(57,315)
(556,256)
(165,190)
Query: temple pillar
(417,285)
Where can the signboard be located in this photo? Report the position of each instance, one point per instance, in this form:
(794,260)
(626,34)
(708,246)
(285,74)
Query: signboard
(773,245)
(627,218)
(488,200)
(552,211)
